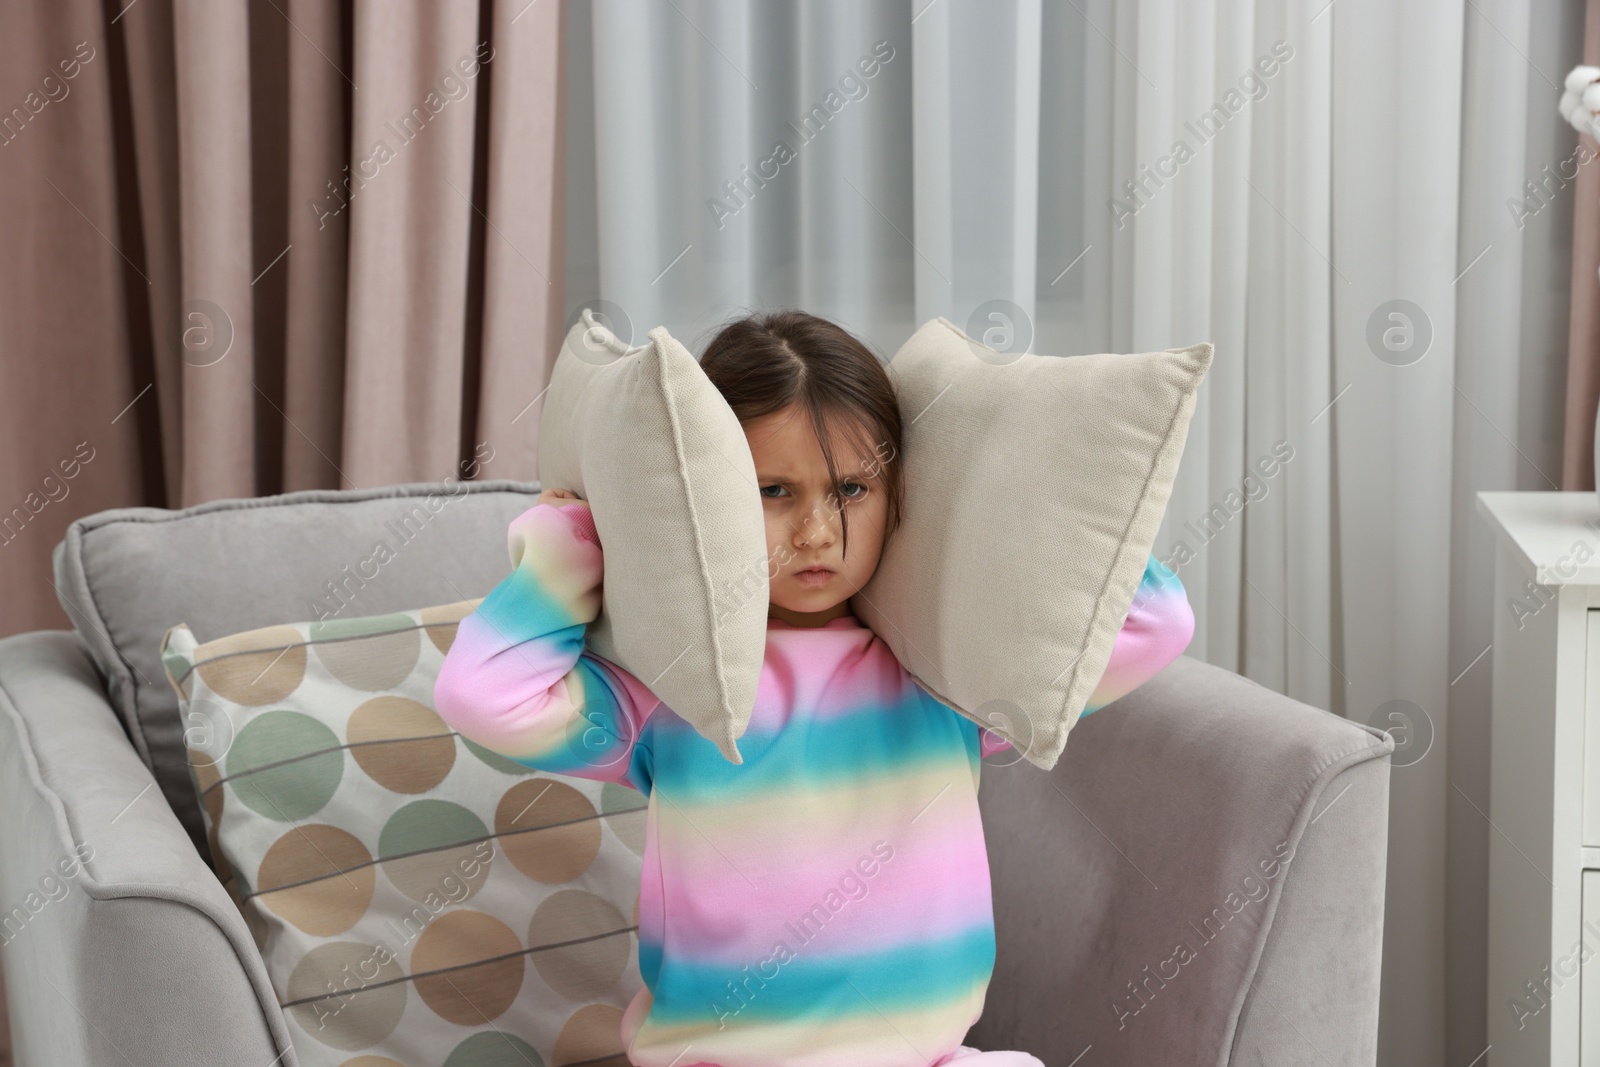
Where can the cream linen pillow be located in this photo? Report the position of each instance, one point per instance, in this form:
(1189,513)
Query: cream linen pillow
(645,438)
(1033,489)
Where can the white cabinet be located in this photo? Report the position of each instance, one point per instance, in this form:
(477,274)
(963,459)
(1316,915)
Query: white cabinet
(1544,781)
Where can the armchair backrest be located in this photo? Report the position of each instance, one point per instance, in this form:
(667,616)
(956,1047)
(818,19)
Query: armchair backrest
(127,575)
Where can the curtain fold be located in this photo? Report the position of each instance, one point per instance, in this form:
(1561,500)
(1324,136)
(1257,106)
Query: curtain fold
(523,318)
(1512,286)
(217,255)
(74,380)
(315,267)
(1499,92)
(1395,166)
(411,219)
(269,245)
(143,160)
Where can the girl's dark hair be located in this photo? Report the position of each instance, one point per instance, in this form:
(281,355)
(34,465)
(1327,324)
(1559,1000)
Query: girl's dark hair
(764,363)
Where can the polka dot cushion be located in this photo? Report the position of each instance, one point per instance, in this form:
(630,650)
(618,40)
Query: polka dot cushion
(418,900)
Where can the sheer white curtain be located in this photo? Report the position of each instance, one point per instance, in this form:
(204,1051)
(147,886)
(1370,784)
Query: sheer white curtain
(1114,175)
(1509,364)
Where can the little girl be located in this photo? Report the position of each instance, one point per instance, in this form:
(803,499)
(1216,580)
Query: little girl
(825,903)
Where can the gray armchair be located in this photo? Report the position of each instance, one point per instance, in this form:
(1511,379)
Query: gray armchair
(1199,880)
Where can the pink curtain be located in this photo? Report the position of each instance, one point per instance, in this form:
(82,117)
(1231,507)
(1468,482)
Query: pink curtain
(254,246)
(1583,336)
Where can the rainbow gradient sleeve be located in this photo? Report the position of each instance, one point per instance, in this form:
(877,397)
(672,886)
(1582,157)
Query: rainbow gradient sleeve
(517,679)
(1157,629)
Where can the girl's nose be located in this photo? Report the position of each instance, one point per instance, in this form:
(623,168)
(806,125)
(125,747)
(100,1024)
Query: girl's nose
(818,526)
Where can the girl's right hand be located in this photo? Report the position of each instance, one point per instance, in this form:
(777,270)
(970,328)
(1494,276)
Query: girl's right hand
(552,495)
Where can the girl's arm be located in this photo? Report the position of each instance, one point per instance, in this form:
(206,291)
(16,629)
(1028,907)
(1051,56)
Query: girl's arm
(517,679)
(1157,629)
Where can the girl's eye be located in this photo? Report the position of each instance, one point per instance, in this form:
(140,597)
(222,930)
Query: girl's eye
(844,494)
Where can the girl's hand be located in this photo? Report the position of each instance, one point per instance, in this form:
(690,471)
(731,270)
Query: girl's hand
(566,498)
(552,495)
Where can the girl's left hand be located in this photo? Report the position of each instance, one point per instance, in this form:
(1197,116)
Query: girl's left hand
(552,495)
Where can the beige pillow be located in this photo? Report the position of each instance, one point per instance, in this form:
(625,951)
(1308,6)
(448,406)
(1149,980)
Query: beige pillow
(1034,487)
(649,442)
(416,898)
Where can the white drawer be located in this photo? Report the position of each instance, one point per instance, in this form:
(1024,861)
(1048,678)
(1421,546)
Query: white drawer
(1589,970)
(1591,736)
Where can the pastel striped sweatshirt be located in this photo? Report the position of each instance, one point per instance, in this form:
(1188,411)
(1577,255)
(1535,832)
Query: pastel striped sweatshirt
(825,902)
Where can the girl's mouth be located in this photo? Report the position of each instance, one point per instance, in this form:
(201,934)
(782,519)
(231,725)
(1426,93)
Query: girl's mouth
(814,576)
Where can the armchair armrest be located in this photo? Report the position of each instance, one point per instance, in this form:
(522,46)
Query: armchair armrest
(1199,880)
(119,944)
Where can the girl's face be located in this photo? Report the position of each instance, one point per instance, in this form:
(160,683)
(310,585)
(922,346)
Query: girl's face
(803,522)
